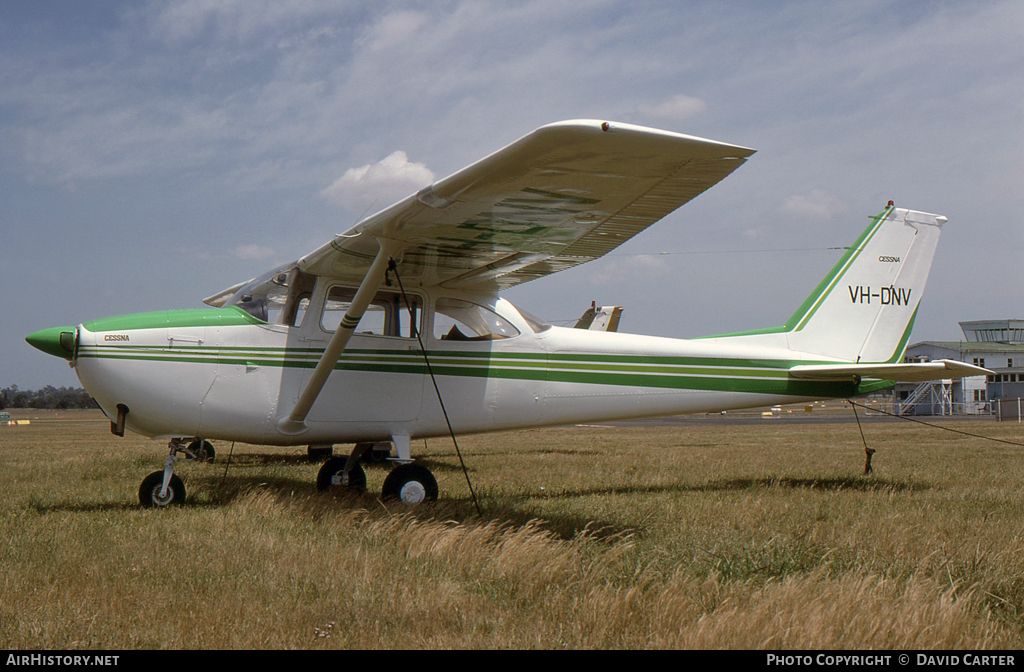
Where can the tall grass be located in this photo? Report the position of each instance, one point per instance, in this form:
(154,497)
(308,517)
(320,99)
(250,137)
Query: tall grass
(703,537)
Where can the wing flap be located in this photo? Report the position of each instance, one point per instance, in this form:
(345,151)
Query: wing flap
(909,372)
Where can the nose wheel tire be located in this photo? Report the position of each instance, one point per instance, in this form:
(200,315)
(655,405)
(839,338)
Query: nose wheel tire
(149,492)
(410,484)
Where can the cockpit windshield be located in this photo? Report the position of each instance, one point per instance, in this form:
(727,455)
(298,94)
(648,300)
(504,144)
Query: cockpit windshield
(537,324)
(279,296)
(282,295)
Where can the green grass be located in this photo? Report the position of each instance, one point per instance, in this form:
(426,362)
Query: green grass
(764,536)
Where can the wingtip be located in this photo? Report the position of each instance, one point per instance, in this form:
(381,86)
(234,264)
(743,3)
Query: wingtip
(621,127)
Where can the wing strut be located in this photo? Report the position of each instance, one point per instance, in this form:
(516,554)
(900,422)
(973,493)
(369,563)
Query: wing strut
(295,422)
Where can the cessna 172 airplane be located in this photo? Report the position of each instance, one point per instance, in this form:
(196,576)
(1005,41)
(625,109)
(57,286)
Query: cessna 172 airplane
(341,345)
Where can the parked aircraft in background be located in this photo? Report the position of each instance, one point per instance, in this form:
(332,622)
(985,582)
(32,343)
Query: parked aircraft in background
(605,318)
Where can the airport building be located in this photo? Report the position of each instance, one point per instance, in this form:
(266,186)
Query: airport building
(997,345)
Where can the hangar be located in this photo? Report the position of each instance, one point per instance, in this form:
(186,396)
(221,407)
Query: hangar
(994,344)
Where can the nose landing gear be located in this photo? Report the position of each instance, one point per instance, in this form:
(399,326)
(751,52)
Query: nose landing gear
(164,488)
(153,495)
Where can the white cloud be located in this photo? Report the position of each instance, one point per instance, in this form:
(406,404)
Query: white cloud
(253,252)
(816,204)
(394,31)
(381,183)
(195,253)
(177,21)
(644,268)
(676,108)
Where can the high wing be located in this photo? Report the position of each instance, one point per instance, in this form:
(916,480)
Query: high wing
(914,372)
(563,195)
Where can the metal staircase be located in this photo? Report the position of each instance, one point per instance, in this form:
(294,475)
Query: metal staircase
(938,394)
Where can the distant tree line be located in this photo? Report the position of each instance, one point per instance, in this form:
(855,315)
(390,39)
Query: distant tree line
(48,397)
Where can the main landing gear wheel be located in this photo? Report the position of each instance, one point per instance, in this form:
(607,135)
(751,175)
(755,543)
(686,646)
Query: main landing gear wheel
(331,476)
(203,450)
(410,484)
(149,492)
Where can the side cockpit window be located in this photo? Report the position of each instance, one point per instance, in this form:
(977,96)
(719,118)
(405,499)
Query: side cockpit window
(387,314)
(458,320)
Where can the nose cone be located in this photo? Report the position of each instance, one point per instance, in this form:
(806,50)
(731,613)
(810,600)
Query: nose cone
(56,341)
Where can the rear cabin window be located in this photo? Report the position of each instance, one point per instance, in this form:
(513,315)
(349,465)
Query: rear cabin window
(458,320)
(387,314)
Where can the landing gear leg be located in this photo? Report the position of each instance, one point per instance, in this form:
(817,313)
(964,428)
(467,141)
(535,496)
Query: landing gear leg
(164,488)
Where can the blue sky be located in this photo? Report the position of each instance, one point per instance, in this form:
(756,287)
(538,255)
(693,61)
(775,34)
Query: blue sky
(154,153)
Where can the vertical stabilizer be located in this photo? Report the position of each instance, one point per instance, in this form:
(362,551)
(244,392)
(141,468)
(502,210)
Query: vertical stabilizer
(865,307)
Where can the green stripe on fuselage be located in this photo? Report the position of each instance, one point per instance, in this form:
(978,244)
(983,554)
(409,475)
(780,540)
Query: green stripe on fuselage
(198,317)
(657,372)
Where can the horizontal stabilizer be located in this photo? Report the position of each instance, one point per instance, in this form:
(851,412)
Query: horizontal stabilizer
(911,372)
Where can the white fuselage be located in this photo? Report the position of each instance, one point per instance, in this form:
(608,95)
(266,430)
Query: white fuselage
(219,374)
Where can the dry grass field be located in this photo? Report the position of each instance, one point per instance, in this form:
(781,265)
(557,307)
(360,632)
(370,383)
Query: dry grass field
(755,536)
